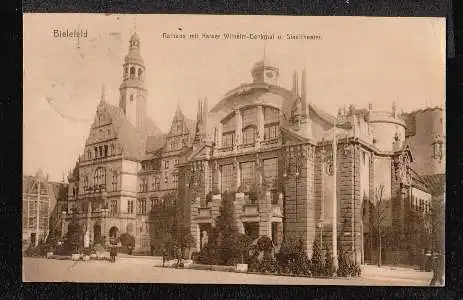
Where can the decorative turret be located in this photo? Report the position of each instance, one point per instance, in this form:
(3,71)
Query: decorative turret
(265,72)
(201,119)
(132,90)
(300,119)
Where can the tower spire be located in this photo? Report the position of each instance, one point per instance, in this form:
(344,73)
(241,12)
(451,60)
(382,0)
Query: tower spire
(303,83)
(295,84)
(103,94)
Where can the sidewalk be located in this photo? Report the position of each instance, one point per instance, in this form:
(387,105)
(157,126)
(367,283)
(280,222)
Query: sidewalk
(390,273)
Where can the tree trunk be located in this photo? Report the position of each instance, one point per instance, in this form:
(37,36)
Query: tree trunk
(379,250)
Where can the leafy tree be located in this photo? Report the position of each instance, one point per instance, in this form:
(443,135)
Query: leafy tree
(244,241)
(74,236)
(187,241)
(227,231)
(317,260)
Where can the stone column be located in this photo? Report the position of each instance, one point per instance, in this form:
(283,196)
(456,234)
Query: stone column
(238,128)
(260,124)
(219,135)
(265,212)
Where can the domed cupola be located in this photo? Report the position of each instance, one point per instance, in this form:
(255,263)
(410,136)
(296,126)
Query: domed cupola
(265,71)
(134,55)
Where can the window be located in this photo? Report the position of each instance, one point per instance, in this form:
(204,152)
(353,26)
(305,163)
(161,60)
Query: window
(139,74)
(228,139)
(155,202)
(89,154)
(176,162)
(271,115)
(249,135)
(166,164)
(85,182)
(130,206)
(99,177)
(249,116)
(141,207)
(126,73)
(271,131)
(175,179)
(226,172)
(247,175)
(132,73)
(144,185)
(131,98)
(105,150)
(113,152)
(155,184)
(113,208)
(166,179)
(96,151)
(270,170)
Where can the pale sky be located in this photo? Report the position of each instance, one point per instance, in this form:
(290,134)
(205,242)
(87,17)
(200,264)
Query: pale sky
(358,60)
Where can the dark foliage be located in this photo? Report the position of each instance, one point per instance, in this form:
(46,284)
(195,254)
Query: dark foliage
(127,242)
(317,263)
(292,259)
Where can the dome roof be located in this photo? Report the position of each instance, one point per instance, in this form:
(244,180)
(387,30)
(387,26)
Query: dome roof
(263,64)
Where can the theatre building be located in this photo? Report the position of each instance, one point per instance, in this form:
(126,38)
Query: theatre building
(273,149)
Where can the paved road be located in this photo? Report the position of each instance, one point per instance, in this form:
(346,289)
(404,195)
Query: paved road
(135,270)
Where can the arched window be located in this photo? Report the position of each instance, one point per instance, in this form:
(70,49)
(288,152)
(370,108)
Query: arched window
(131,98)
(271,123)
(132,73)
(99,177)
(249,135)
(105,150)
(140,72)
(85,182)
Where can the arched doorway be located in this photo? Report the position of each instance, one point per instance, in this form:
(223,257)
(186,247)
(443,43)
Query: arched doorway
(113,234)
(97,234)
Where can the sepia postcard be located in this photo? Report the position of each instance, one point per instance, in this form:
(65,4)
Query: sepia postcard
(281,150)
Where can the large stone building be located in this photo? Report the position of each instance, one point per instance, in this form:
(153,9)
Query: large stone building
(40,209)
(268,145)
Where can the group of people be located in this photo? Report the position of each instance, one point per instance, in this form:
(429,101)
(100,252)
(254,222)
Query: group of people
(113,247)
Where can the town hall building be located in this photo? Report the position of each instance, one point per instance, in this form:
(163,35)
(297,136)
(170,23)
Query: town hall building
(294,170)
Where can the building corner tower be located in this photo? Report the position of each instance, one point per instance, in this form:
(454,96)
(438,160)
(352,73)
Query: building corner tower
(132,89)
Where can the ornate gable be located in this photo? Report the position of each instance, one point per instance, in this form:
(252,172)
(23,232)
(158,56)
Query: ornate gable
(401,163)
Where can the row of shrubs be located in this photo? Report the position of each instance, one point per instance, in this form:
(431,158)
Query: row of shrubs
(261,257)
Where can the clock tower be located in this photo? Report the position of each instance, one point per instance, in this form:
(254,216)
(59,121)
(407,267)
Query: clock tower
(132,89)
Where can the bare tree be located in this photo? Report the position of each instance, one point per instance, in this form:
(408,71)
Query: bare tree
(379,215)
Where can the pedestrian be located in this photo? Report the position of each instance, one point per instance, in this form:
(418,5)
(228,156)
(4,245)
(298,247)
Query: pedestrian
(179,256)
(164,255)
(437,269)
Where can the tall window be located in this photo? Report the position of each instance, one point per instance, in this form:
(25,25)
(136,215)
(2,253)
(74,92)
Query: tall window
(226,177)
(114,181)
(144,185)
(175,179)
(271,123)
(96,151)
(156,183)
(113,208)
(228,139)
(105,150)
(249,116)
(85,182)
(249,135)
(271,131)
(155,202)
(130,206)
(99,177)
(247,175)
(141,207)
(132,73)
(166,164)
(270,169)
(89,154)
(176,162)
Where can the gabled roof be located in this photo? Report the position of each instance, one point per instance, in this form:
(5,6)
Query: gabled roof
(132,140)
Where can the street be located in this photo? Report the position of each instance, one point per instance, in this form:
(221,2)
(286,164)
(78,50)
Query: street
(140,270)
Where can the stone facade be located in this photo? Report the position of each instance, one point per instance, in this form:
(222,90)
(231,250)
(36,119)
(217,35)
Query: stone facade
(270,146)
